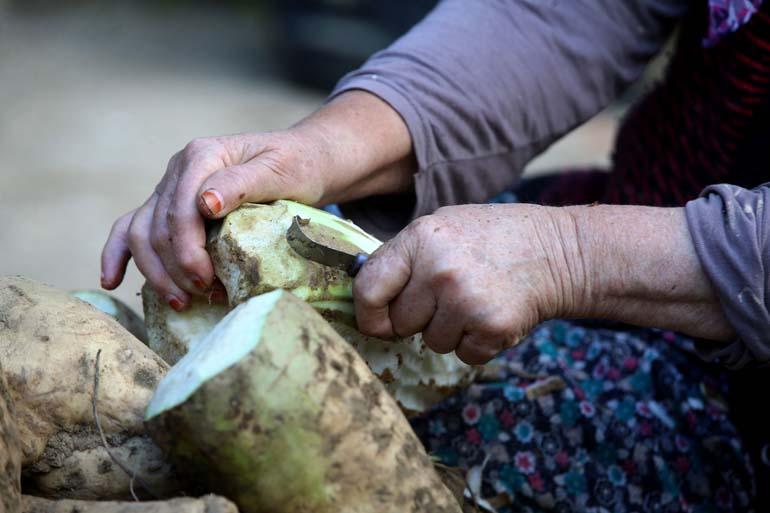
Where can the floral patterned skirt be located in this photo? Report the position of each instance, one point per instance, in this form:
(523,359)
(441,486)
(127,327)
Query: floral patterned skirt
(581,417)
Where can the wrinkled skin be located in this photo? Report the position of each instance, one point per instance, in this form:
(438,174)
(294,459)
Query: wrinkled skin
(473,279)
(166,235)
(336,154)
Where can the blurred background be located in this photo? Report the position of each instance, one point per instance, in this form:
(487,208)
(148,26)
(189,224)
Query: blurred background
(95,96)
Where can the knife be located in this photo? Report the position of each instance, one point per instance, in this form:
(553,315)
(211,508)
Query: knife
(317,252)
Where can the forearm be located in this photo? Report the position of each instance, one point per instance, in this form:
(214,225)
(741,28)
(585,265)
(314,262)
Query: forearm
(362,146)
(638,265)
(485,86)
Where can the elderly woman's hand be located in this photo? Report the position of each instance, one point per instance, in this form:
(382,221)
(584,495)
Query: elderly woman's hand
(475,279)
(353,147)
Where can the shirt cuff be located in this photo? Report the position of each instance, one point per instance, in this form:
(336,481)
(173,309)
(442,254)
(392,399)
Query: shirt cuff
(728,226)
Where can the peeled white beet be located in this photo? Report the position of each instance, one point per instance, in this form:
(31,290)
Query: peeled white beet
(274,410)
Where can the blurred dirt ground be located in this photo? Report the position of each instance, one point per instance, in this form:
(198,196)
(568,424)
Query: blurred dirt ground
(95,99)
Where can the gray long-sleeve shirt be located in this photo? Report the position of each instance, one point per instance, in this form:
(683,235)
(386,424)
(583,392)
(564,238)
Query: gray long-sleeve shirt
(730,227)
(484,86)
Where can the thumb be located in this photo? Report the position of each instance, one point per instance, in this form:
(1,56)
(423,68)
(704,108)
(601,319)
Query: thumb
(230,187)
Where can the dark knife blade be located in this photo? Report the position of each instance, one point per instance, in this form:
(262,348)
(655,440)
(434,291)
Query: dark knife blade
(325,255)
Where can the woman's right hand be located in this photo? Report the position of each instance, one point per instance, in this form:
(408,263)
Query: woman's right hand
(335,154)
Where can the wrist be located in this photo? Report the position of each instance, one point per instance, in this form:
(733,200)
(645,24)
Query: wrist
(638,265)
(360,147)
(570,289)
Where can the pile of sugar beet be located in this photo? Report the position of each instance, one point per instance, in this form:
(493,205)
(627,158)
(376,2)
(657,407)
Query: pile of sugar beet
(273,403)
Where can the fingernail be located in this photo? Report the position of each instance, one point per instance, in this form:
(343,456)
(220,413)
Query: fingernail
(218,293)
(199,284)
(218,296)
(213,201)
(175,303)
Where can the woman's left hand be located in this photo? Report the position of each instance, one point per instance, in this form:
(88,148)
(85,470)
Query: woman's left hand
(473,279)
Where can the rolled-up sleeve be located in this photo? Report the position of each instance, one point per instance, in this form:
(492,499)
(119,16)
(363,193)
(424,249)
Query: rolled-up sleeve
(730,227)
(484,86)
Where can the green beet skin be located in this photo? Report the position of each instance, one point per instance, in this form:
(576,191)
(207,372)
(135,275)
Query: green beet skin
(274,410)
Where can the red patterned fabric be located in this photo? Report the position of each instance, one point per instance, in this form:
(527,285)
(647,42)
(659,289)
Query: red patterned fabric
(707,122)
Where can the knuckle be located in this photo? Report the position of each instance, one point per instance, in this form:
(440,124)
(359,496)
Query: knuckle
(425,225)
(196,146)
(371,325)
(119,229)
(364,295)
(364,326)
(401,327)
(124,220)
(377,331)
(186,261)
(170,166)
(135,238)
(477,354)
(158,242)
(437,344)
(496,324)
(122,224)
